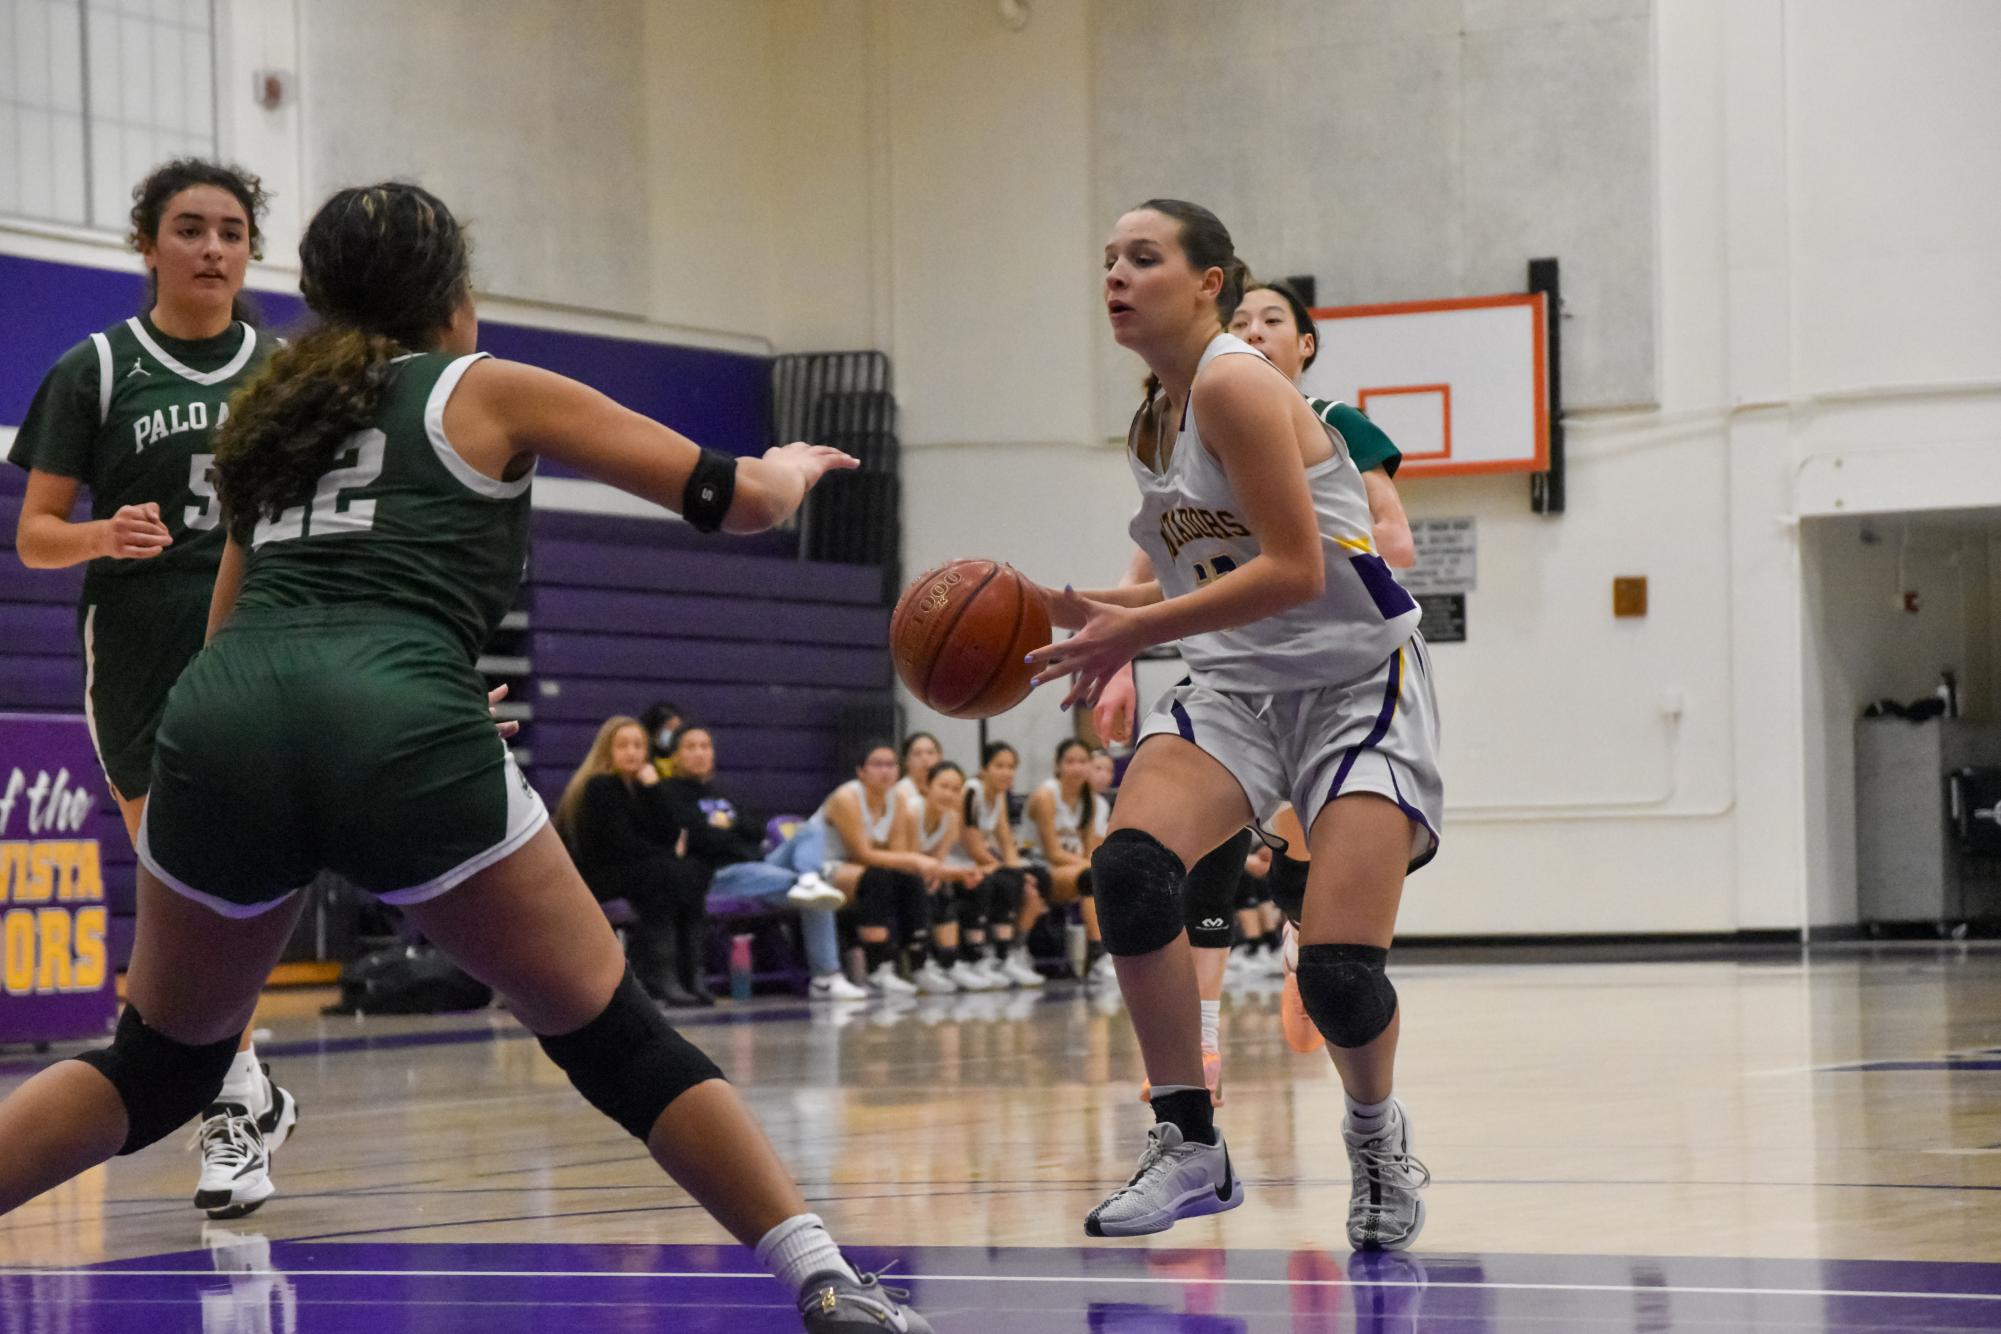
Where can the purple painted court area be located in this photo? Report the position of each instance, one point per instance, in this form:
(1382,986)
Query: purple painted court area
(286,1287)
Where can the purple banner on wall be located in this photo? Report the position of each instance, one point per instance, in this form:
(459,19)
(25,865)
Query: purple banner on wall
(56,979)
(719,399)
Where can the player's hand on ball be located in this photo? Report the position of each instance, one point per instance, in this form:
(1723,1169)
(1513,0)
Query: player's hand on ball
(1110,639)
(1114,714)
(135,532)
(493,698)
(814,461)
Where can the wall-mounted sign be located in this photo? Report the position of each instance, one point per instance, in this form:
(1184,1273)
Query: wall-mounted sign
(55,963)
(1444,617)
(1447,557)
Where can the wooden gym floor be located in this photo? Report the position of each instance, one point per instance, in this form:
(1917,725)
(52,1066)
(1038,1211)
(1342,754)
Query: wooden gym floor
(1748,1143)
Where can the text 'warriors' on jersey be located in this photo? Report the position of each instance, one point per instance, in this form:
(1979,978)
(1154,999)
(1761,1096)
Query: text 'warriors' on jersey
(1189,524)
(401,520)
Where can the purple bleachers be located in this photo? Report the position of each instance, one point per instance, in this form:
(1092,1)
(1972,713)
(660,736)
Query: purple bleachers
(764,649)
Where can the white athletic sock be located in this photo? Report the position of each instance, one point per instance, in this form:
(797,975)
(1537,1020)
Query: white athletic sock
(244,1084)
(1368,1119)
(799,1248)
(1212,1021)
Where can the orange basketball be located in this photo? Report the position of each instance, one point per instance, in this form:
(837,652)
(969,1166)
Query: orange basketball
(959,634)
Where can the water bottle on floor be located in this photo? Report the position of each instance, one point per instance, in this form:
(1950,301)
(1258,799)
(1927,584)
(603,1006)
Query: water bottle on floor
(740,968)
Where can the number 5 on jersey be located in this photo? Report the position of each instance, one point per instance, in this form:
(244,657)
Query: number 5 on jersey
(331,512)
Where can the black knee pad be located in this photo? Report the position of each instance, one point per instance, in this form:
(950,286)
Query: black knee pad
(1211,890)
(1140,910)
(944,905)
(1288,886)
(1346,991)
(163,1083)
(629,1063)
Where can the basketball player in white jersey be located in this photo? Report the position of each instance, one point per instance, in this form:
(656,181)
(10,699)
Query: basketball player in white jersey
(920,752)
(1308,684)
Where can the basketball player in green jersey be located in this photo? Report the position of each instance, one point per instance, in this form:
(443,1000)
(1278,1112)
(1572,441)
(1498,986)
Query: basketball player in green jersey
(130,413)
(375,489)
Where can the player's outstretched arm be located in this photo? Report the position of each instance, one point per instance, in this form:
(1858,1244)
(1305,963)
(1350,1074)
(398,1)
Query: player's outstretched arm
(504,411)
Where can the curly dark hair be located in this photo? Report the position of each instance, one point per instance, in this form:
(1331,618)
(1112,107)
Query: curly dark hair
(151,196)
(385,267)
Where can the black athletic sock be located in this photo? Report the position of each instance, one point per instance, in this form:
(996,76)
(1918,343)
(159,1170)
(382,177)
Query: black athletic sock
(1094,950)
(1190,1110)
(878,952)
(945,955)
(1002,946)
(1271,941)
(972,951)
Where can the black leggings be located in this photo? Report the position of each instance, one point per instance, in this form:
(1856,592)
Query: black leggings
(893,899)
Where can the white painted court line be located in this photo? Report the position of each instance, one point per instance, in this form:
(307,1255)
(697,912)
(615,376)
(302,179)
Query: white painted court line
(903,1276)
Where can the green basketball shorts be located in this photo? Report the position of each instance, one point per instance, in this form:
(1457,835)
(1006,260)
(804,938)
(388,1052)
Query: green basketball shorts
(349,739)
(139,634)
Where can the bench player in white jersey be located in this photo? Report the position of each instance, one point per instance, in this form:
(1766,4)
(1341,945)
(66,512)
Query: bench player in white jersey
(1308,684)
(872,858)
(938,822)
(1059,832)
(920,751)
(1001,900)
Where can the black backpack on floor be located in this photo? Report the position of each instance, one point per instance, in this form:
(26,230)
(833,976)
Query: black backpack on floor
(407,980)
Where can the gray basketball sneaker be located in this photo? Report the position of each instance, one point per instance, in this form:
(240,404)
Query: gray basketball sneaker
(1384,1211)
(833,1303)
(1175,1180)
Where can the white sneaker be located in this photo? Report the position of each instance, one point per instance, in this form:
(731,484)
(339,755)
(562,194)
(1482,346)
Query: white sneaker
(972,977)
(1175,1180)
(1103,973)
(1385,1212)
(1021,972)
(884,982)
(835,987)
(1271,962)
(933,980)
(235,1163)
(812,892)
(280,1114)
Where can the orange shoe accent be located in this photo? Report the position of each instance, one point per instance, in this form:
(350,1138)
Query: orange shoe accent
(1300,1034)
(1212,1075)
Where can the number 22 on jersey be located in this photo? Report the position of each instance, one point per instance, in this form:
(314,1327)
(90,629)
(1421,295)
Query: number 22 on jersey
(330,511)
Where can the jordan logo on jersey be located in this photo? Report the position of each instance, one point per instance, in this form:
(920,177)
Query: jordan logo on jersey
(138,368)
(1179,527)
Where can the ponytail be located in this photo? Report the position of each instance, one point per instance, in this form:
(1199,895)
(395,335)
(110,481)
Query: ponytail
(288,424)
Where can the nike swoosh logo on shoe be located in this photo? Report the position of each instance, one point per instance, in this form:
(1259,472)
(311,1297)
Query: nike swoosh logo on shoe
(1229,1178)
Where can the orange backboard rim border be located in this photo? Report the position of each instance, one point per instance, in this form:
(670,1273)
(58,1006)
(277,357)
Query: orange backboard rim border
(1444,392)
(1539,335)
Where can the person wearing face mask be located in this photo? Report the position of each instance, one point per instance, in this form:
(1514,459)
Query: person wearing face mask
(717,840)
(128,414)
(617,819)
